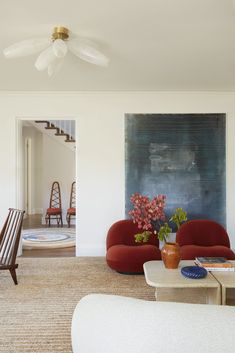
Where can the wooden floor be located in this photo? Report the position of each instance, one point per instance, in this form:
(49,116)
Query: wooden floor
(34,221)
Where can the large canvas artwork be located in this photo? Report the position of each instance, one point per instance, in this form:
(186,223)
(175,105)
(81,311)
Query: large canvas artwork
(181,156)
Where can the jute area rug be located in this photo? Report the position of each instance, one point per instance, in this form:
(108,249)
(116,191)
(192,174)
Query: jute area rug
(35,315)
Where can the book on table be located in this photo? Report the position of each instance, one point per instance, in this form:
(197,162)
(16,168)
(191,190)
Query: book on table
(214,263)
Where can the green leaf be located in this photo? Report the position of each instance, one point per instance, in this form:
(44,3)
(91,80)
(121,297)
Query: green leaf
(164,232)
(179,217)
(142,237)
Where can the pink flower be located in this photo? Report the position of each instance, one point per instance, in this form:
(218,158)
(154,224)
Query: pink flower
(145,211)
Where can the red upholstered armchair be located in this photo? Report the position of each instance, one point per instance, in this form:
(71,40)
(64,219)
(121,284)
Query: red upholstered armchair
(203,237)
(124,254)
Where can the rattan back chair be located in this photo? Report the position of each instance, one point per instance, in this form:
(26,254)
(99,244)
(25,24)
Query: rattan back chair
(55,209)
(9,241)
(71,211)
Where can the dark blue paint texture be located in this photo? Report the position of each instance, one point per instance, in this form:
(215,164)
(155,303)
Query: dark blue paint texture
(181,156)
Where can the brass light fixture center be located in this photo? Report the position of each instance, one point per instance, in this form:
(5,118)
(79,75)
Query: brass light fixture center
(60,33)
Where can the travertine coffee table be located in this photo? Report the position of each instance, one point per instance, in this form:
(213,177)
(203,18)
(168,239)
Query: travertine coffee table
(227,281)
(171,285)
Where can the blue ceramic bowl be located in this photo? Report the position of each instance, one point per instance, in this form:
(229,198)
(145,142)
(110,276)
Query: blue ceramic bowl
(194,272)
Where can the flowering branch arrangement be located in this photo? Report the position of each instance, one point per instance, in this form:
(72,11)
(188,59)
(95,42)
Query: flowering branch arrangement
(149,216)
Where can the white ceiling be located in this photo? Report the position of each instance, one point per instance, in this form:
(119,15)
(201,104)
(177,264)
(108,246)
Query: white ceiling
(152,44)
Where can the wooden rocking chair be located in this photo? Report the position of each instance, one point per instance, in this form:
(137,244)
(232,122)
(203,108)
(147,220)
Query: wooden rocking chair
(9,241)
(72,204)
(54,211)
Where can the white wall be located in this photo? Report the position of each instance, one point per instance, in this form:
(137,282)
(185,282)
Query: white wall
(58,165)
(100,156)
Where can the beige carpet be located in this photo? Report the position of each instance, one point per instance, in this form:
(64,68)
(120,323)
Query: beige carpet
(35,316)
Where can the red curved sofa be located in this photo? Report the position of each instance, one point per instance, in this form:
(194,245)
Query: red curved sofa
(203,237)
(124,255)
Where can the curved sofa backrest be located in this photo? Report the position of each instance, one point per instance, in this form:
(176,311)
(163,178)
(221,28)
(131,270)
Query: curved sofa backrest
(127,325)
(202,232)
(122,232)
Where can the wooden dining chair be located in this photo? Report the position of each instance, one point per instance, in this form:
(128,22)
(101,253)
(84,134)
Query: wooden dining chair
(9,241)
(71,212)
(55,210)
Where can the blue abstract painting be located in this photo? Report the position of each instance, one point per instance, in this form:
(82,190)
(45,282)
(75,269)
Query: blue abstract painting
(181,156)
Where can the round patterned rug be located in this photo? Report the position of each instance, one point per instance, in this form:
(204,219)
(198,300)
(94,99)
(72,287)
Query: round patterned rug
(47,238)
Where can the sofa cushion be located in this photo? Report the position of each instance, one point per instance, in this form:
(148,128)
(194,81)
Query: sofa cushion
(130,259)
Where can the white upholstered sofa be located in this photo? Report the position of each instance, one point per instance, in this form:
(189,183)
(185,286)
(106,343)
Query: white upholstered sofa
(113,324)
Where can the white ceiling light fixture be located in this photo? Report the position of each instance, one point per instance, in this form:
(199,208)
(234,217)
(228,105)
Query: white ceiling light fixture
(55,49)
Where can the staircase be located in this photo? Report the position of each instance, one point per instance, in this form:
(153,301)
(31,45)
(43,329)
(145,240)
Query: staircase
(61,130)
(64,128)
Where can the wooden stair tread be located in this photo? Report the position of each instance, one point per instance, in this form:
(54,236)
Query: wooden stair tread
(59,132)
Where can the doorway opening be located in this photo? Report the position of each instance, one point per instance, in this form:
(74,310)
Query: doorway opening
(48,156)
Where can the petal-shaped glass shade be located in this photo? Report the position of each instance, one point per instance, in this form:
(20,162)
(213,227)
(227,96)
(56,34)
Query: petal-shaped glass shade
(60,48)
(26,47)
(87,51)
(55,67)
(45,59)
